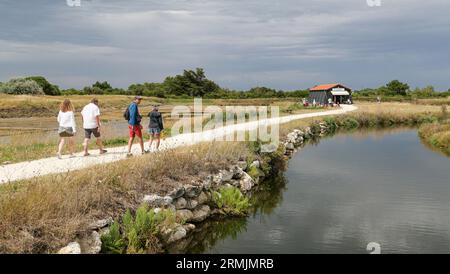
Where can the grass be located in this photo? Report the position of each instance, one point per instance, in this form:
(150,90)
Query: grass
(43,214)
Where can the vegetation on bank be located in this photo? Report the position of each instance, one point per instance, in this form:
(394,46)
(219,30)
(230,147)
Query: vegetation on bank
(43,214)
(136,234)
(437,134)
(231,201)
(371,120)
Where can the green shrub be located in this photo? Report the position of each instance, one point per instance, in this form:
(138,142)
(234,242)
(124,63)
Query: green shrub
(350,123)
(21,86)
(137,232)
(112,242)
(331,123)
(231,201)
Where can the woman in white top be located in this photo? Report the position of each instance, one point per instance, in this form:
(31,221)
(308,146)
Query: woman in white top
(67,127)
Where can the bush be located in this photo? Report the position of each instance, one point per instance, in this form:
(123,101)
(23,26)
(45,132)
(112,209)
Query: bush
(47,87)
(331,123)
(21,86)
(350,123)
(231,201)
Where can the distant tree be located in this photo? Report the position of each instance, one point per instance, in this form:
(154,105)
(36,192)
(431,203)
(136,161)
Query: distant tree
(397,87)
(93,90)
(105,86)
(21,86)
(46,86)
(191,83)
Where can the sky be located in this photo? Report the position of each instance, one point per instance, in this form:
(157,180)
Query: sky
(281,44)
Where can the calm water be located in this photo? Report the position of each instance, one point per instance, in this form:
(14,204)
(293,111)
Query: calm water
(341,194)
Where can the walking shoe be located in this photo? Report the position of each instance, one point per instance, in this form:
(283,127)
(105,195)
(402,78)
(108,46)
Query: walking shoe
(103,151)
(86,154)
(129,155)
(59,155)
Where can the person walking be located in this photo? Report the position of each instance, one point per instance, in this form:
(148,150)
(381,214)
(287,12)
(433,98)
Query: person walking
(155,127)
(92,125)
(134,124)
(67,127)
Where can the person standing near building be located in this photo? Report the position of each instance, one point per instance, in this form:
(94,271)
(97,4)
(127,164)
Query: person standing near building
(134,124)
(92,125)
(155,127)
(67,127)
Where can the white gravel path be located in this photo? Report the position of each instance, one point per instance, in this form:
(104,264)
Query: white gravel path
(30,169)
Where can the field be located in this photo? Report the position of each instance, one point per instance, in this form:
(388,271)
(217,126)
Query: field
(30,131)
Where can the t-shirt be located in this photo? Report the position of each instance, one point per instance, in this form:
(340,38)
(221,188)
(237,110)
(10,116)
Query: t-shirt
(90,113)
(67,119)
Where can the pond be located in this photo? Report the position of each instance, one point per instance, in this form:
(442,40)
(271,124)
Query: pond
(340,195)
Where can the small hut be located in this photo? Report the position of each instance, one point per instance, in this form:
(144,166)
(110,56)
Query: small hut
(337,92)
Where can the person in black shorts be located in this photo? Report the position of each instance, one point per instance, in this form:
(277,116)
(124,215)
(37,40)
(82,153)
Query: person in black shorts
(91,125)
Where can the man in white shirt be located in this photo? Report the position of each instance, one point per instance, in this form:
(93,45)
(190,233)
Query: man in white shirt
(91,125)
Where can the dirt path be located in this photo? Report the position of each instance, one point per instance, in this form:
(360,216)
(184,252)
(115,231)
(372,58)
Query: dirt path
(26,170)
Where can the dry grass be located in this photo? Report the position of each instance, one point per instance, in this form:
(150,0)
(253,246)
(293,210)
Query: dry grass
(43,214)
(437,135)
(397,112)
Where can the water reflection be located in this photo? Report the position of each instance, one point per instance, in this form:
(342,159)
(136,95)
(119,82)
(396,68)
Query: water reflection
(208,234)
(353,189)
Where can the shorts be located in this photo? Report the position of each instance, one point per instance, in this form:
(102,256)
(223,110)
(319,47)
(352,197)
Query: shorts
(135,130)
(154,130)
(66,132)
(89,131)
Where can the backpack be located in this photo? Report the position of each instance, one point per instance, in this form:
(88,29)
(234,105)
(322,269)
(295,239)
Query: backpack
(126,114)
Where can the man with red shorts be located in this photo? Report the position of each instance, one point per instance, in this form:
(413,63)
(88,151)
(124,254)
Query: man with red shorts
(134,124)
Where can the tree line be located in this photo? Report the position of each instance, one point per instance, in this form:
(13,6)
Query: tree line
(194,83)
(395,88)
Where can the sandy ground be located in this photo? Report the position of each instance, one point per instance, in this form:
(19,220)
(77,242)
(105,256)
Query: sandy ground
(30,169)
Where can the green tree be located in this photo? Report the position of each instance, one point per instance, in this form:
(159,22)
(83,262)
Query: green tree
(46,86)
(397,87)
(191,83)
(105,86)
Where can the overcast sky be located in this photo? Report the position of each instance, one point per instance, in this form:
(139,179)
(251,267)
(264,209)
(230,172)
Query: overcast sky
(283,44)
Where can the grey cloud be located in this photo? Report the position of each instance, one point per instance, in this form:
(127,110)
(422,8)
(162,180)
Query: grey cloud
(285,44)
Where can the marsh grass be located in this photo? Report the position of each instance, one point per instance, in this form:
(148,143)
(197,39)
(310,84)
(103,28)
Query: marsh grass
(437,135)
(45,213)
